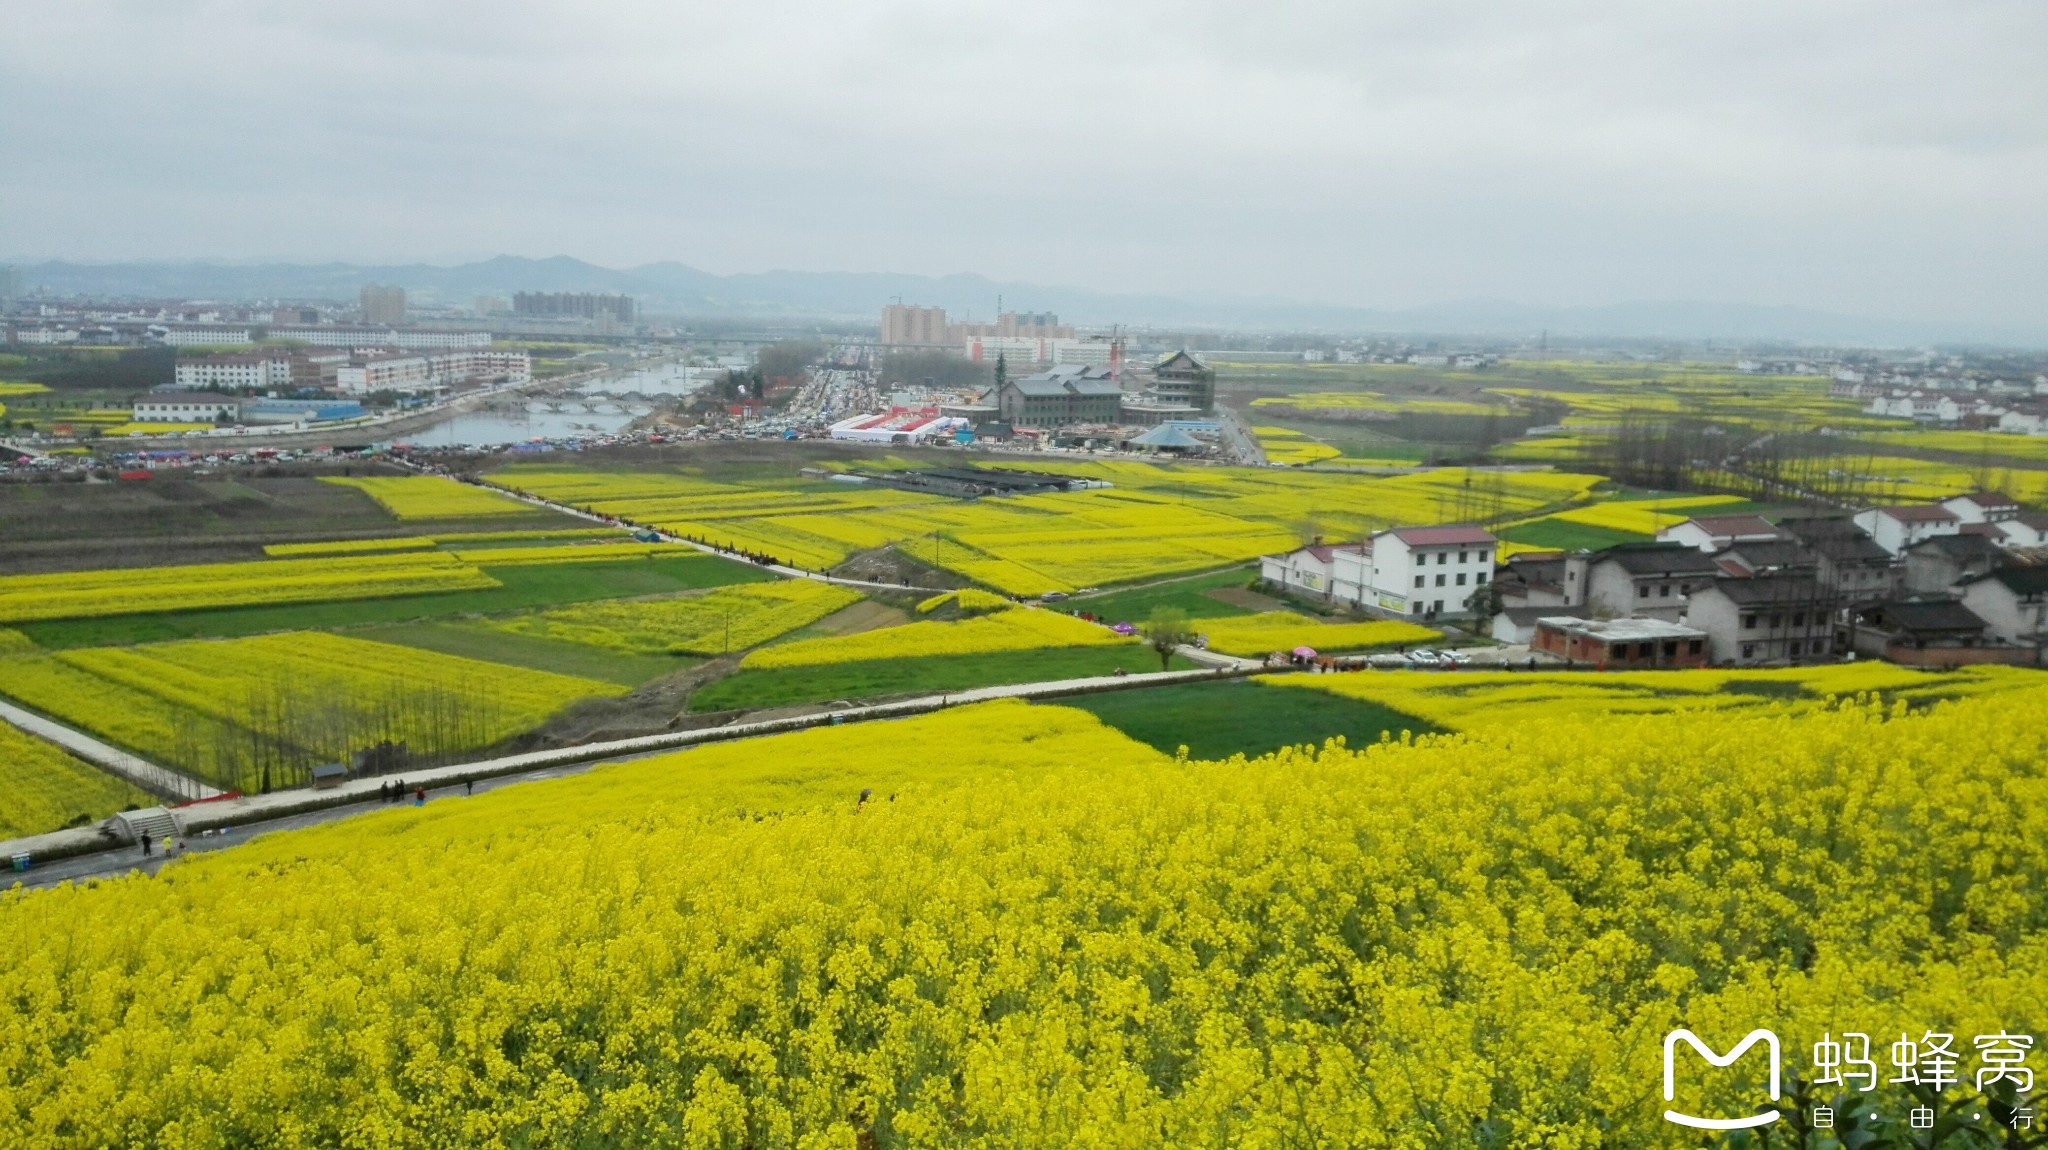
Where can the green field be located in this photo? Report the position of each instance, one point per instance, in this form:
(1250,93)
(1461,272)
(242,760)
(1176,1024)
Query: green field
(524,587)
(934,674)
(1568,536)
(1138,603)
(1218,720)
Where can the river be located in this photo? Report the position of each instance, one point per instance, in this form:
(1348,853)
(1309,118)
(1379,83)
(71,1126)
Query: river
(514,420)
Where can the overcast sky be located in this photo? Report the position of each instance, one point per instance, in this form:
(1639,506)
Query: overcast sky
(1885,159)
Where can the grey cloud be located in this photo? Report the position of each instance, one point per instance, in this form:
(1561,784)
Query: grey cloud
(1880,157)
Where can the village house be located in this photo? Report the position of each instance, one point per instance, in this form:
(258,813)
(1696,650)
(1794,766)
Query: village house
(1982,507)
(1927,631)
(1777,619)
(1897,528)
(1847,561)
(1304,570)
(1714,532)
(1425,571)
(1621,644)
(1783,556)
(2029,418)
(1531,579)
(1518,624)
(1932,566)
(2013,602)
(1650,580)
(2027,529)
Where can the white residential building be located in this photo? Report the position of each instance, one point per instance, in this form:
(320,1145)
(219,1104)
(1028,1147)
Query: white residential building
(186,407)
(2029,530)
(1032,350)
(1713,532)
(1897,528)
(392,372)
(397,371)
(1764,620)
(1924,406)
(408,339)
(1982,507)
(452,367)
(2029,420)
(1425,571)
(1653,580)
(204,336)
(234,372)
(1087,352)
(2013,602)
(1305,570)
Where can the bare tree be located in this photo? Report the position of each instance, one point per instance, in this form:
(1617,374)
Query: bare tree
(1165,632)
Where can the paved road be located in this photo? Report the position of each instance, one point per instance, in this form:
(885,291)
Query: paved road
(161,781)
(256,814)
(130,859)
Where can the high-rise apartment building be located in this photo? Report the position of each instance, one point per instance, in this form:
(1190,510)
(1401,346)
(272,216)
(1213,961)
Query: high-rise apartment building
(908,324)
(383,305)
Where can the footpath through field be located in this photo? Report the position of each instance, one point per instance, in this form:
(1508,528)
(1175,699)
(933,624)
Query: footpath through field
(253,814)
(160,781)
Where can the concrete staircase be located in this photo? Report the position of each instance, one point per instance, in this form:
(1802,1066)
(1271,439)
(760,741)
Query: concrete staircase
(156,822)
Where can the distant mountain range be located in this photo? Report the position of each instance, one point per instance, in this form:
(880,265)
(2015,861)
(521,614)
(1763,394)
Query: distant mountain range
(677,289)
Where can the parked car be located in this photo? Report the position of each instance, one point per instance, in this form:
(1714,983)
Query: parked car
(1422,657)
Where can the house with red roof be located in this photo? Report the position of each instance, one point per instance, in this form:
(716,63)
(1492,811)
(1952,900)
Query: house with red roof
(1983,506)
(1304,570)
(1424,572)
(1897,528)
(1714,532)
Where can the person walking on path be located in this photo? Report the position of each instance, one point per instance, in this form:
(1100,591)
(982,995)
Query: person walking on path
(468,787)
(145,844)
(419,796)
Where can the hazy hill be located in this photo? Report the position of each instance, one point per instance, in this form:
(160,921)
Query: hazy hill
(677,289)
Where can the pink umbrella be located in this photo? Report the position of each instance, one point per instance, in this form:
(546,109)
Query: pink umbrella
(1305,652)
(1124,629)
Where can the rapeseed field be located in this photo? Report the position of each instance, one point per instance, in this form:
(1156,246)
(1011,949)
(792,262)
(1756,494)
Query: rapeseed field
(1255,635)
(1013,629)
(225,710)
(431,496)
(138,590)
(1153,521)
(1008,925)
(45,788)
(715,623)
